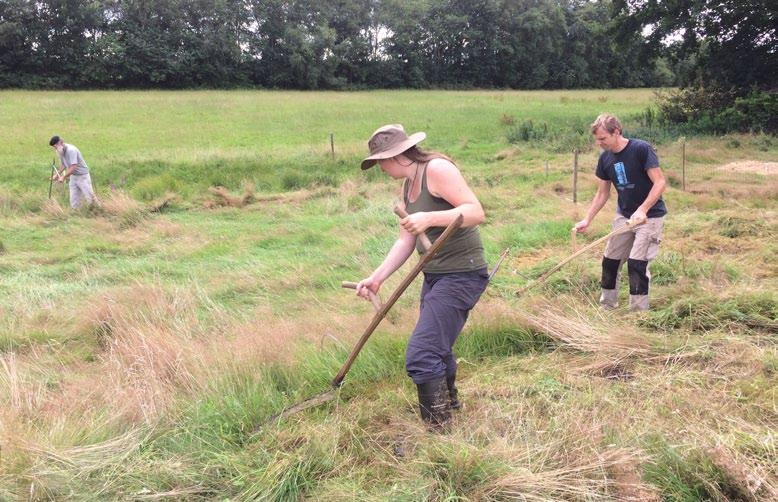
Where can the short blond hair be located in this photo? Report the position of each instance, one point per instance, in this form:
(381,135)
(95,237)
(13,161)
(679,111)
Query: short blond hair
(608,122)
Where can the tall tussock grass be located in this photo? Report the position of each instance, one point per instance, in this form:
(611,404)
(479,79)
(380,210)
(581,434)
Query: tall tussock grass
(53,209)
(498,332)
(119,205)
(15,203)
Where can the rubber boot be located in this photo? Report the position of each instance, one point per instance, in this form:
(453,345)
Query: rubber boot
(638,302)
(609,299)
(453,393)
(434,402)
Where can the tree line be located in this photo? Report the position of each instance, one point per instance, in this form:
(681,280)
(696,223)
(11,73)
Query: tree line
(324,44)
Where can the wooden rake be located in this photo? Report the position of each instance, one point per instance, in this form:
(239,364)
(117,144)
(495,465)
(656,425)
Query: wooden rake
(381,310)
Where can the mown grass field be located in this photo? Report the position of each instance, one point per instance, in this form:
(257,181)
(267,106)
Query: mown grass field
(142,342)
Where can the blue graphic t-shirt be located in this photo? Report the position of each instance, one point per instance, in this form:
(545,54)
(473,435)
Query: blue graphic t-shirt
(627,170)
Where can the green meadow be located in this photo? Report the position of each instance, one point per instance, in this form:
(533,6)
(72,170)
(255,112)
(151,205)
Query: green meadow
(188,141)
(145,342)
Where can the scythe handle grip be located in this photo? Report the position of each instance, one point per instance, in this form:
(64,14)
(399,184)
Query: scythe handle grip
(374,298)
(425,241)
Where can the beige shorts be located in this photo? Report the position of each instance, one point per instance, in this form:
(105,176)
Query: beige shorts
(642,243)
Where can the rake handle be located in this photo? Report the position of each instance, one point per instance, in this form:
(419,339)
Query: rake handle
(374,298)
(378,317)
(425,241)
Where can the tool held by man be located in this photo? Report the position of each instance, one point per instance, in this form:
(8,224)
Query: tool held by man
(381,310)
(54,175)
(543,277)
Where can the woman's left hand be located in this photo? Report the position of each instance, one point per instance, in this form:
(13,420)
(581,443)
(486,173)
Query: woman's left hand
(416,223)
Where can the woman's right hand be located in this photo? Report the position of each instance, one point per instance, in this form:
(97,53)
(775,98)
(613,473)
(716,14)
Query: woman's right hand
(368,284)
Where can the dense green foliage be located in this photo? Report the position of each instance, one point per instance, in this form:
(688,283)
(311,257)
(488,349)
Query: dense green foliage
(326,44)
(723,54)
(717,111)
(730,43)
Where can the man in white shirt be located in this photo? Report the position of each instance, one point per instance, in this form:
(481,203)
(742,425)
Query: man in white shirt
(73,167)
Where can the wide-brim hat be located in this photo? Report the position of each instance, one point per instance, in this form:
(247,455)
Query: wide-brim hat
(389,141)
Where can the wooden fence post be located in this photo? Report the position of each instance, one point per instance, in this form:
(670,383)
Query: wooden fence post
(683,165)
(575,176)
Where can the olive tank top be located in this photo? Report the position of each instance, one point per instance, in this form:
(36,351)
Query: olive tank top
(462,252)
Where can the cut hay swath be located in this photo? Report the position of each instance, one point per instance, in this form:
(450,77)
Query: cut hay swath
(583,334)
(610,350)
(381,312)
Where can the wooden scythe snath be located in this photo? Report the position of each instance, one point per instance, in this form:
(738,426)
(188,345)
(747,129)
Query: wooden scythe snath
(540,280)
(381,311)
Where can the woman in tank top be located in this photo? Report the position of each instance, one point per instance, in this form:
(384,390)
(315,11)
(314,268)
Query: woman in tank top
(435,194)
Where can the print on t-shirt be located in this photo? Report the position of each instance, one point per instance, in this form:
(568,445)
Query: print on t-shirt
(621,176)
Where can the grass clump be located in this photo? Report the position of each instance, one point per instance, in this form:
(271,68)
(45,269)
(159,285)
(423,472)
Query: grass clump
(156,186)
(499,340)
(734,227)
(127,211)
(672,266)
(679,474)
(754,311)
(290,475)
(459,471)
(705,473)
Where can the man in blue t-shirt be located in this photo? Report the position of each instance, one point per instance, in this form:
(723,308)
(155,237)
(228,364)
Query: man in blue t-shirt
(632,166)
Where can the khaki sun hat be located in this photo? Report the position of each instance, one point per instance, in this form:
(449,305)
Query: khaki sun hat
(389,141)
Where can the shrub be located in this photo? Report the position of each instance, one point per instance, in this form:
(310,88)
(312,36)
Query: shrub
(294,181)
(574,137)
(528,131)
(716,110)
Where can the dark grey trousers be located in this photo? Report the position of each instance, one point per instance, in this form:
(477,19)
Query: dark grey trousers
(446,301)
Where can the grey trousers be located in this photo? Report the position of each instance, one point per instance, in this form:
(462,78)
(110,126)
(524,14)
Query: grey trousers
(446,301)
(81,190)
(637,248)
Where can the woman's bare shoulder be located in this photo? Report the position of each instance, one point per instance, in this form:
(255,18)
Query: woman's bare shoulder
(441,166)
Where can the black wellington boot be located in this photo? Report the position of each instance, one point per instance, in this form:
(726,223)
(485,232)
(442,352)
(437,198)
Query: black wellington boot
(434,402)
(453,393)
